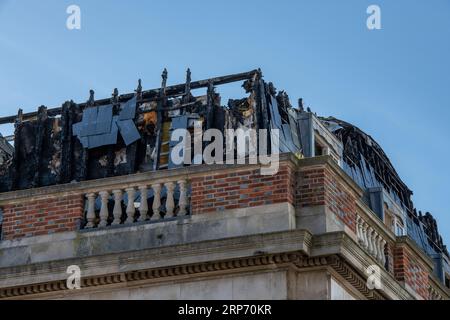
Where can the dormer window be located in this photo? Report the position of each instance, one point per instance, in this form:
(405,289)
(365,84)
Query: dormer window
(399,229)
(319,150)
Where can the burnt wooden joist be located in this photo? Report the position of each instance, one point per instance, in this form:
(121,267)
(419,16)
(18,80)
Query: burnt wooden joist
(148,95)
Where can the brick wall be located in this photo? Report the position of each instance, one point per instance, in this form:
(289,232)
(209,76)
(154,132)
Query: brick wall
(320,186)
(41,217)
(242,189)
(408,270)
(216,192)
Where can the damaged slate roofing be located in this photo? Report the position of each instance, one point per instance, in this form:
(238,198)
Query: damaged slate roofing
(100,128)
(131,133)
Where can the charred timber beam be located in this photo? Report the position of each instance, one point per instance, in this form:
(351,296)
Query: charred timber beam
(40,135)
(16,159)
(159,120)
(84,167)
(66,143)
(149,95)
(134,147)
(210,106)
(187,88)
(139,91)
(264,107)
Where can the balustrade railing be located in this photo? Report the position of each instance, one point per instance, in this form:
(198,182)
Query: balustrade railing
(144,202)
(372,241)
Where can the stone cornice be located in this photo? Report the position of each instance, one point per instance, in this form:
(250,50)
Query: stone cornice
(341,244)
(275,250)
(158,274)
(242,265)
(346,271)
(437,288)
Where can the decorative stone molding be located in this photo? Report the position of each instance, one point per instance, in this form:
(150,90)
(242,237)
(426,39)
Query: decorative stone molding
(434,294)
(280,260)
(140,275)
(344,246)
(358,282)
(437,290)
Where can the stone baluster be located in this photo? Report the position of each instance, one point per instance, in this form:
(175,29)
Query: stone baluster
(182,203)
(362,231)
(170,203)
(131,210)
(90,215)
(156,201)
(374,243)
(380,249)
(104,195)
(376,247)
(359,231)
(369,238)
(102,220)
(143,207)
(365,238)
(117,211)
(383,256)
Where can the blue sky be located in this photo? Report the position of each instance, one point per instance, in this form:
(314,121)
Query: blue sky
(393,83)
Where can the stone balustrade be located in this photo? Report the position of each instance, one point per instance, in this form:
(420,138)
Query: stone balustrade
(372,241)
(127,206)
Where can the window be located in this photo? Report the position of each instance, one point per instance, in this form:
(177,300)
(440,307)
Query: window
(318,150)
(399,230)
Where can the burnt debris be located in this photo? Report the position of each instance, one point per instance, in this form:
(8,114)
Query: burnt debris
(131,133)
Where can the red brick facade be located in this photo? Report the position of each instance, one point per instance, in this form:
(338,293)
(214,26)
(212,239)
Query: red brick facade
(319,186)
(408,270)
(242,189)
(41,217)
(217,192)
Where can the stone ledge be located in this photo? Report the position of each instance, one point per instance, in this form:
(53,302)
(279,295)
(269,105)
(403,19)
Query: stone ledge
(133,261)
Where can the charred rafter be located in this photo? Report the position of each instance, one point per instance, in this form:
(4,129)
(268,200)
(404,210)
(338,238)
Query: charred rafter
(147,96)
